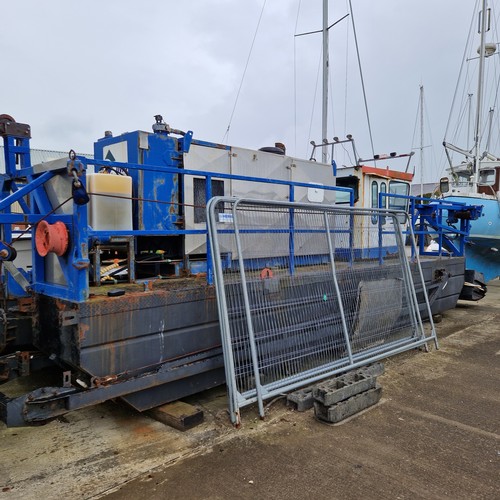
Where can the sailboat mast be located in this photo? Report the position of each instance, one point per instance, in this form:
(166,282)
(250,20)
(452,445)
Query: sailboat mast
(421,140)
(324,121)
(480,84)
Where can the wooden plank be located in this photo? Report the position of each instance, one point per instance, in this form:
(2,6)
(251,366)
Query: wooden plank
(180,415)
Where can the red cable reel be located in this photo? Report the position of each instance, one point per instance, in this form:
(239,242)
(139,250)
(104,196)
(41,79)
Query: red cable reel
(51,238)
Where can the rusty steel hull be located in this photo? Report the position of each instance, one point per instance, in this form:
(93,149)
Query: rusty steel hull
(149,347)
(111,336)
(108,340)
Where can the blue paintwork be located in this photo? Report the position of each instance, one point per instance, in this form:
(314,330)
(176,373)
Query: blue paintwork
(439,219)
(163,151)
(482,250)
(16,146)
(75,262)
(488,225)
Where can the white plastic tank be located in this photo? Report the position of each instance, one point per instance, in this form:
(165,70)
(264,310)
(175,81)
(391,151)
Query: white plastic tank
(107,212)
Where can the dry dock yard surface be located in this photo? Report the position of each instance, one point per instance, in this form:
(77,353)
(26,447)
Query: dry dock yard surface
(434,434)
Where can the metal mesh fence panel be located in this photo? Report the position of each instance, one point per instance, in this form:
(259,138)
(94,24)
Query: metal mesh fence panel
(306,291)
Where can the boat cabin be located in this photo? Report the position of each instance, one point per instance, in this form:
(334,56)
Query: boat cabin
(368,182)
(460,180)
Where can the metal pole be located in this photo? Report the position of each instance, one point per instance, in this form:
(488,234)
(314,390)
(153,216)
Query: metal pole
(479,110)
(469,119)
(324,131)
(337,288)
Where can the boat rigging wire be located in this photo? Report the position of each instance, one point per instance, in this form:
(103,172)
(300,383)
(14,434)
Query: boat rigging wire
(351,161)
(431,145)
(346,88)
(314,97)
(423,112)
(295,78)
(496,78)
(321,31)
(490,119)
(362,79)
(465,110)
(460,74)
(244,72)
(318,72)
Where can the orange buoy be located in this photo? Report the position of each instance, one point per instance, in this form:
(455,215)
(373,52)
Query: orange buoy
(51,238)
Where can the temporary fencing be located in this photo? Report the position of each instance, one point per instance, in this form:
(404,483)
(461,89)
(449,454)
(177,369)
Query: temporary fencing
(307,291)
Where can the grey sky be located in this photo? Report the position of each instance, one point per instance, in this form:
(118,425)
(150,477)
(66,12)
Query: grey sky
(74,69)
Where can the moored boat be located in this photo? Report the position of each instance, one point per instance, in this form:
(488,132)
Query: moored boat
(476,178)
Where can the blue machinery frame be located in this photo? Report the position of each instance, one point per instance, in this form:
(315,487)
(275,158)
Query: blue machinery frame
(75,262)
(437,219)
(24,184)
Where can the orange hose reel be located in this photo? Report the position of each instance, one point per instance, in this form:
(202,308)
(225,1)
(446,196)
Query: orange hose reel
(51,238)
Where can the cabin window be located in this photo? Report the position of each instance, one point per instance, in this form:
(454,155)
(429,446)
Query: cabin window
(350,181)
(374,194)
(383,189)
(374,203)
(199,197)
(487,176)
(462,179)
(401,189)
(444,185)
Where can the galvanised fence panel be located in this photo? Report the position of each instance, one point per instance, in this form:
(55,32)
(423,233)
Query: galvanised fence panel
(306,291)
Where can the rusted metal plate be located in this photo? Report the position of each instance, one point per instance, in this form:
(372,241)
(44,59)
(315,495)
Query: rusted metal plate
(9,128)
(109,336)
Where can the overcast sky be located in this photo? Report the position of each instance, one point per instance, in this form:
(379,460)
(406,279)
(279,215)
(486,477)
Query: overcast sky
(73,69)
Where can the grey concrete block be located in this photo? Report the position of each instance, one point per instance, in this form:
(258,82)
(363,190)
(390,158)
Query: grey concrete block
(341,388)
(373,370)
(349,407)
(300,400)
(344,386)
(347,385)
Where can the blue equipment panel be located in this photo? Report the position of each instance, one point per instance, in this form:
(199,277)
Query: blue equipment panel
(156,194)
